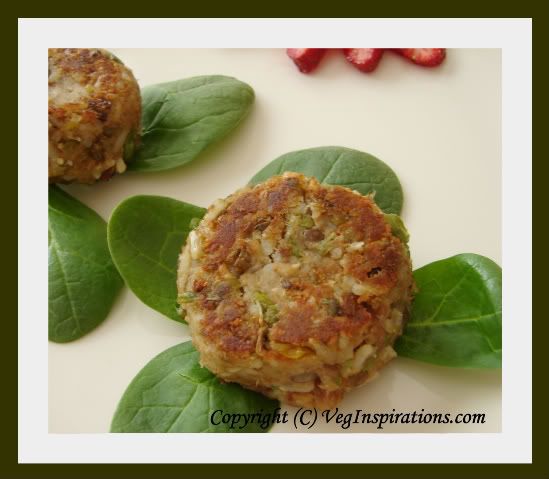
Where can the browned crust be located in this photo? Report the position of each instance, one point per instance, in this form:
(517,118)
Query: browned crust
(84,132)
(271,201)
(355,212)
(314,311)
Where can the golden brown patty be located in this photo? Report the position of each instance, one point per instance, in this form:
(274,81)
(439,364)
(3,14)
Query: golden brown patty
(295,289)
(94,115)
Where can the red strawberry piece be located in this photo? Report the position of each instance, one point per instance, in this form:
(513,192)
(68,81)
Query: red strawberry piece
(365,59)
(426,57)
(306,59)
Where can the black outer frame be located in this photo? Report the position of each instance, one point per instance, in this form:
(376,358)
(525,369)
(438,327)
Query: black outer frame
(538,11)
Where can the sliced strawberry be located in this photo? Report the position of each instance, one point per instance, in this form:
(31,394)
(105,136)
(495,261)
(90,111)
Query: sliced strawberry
(426,57)
(365,59)
(306,59)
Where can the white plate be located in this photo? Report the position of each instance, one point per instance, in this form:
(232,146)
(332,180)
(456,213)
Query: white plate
(439,129)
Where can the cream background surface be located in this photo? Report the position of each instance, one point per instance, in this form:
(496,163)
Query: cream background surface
(439,129)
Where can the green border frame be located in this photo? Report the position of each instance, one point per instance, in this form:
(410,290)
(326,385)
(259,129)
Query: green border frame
(538,11)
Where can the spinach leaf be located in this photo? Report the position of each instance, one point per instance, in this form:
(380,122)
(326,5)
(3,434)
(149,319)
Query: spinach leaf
(173,393)
(456,314)
(336,165)
(146,234)
(397,227)
(83,281)
(181,118)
